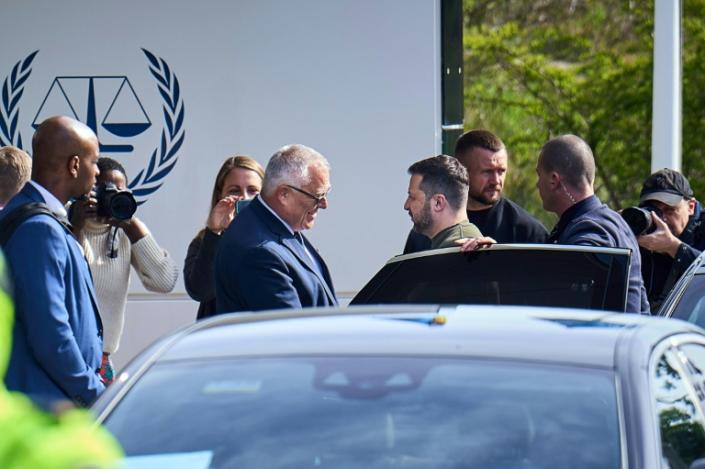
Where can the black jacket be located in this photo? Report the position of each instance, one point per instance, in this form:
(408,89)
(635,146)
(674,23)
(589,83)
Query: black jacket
(199,272)
(661,272)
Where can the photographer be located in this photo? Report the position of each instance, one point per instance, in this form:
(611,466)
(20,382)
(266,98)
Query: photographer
(676,235)
(113,239)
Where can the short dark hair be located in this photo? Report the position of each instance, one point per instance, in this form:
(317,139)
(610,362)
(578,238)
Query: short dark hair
(478,138)
(106,164)
(571,157)
(445,175)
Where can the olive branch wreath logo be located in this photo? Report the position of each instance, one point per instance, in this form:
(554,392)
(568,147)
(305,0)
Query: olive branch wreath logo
(164,156)
(12,89)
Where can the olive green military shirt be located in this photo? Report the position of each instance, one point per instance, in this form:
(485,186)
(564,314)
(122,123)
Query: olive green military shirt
(447,237)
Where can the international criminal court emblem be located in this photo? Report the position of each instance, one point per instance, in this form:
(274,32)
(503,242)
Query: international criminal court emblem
(109,105)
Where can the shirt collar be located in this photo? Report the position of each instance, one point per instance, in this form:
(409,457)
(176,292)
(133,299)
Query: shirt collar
(52,202)
(444,234)
(575,211)
(261,199)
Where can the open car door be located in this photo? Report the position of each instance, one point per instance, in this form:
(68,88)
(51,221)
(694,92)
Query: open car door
(505,274)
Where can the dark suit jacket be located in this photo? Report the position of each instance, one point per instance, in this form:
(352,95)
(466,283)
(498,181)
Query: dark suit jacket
(261,265)
(56,340)
(592,223)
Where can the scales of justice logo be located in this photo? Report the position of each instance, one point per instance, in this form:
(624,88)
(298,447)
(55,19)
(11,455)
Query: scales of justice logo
(109,105)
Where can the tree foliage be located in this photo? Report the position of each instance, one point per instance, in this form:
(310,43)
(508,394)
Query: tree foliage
(534,70)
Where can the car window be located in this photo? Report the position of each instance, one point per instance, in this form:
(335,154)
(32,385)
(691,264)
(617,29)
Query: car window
(691,306)
(535,277)
(681,423)
(372,412)
(694,357)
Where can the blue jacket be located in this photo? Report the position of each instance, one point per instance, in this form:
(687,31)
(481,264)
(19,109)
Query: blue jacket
(592,223)
(56,340)
(261,265)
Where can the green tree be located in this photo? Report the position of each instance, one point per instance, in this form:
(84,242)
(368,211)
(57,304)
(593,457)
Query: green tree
(534,70)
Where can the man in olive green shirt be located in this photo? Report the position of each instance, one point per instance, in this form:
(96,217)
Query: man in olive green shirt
(437,201)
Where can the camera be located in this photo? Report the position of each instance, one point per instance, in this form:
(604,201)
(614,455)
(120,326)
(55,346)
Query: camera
(114,203)
(639,218)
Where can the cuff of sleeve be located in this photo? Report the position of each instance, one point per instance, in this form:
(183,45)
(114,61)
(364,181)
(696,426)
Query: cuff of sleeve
(148,247)
(209,243)
(680,252)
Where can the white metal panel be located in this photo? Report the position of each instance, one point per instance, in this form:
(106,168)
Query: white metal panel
(356,79)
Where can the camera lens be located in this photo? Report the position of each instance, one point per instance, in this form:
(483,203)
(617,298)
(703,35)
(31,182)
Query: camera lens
(122,206)
(639,219)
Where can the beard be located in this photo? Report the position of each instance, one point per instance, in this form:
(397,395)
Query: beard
(422,221)
(485,198)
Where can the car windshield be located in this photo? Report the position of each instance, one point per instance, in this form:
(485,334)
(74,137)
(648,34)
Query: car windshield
(691,306)
(372,412)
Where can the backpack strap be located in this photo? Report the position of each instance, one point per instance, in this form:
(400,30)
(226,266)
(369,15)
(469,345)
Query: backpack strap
(10,222)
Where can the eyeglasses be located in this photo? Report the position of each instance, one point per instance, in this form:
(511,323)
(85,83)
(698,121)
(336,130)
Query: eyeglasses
(317,198)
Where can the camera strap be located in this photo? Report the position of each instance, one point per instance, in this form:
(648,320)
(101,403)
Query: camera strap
(112,235)
(10,222)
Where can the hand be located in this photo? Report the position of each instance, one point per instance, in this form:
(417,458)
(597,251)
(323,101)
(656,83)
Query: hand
(222,214)
(133,228)
(661,240)
(474,244)
(82,209)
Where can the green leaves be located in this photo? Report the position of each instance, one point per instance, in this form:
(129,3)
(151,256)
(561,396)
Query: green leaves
(538,69)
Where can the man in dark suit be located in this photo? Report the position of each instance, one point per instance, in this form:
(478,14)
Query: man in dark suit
(263,260)
(56,345)
(566,179)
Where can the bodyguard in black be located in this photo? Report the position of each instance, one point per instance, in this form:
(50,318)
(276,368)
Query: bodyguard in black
(566,173)
(679,234)
(485,157)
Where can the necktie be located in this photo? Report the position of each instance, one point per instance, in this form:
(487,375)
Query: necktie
(300,239)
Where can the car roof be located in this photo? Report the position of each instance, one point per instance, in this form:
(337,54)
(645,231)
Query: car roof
(562,336)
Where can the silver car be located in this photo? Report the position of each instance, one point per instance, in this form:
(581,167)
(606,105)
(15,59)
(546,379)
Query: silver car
(416,386)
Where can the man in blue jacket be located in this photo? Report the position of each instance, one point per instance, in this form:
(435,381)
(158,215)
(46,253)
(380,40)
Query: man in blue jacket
(56,345)
(566,174)
(263,259)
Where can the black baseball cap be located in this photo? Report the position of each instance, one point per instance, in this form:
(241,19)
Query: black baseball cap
(667,186)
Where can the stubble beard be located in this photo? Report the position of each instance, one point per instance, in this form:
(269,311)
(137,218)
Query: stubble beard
(483,199)
(423,221)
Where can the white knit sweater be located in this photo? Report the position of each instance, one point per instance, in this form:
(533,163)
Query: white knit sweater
(111,276)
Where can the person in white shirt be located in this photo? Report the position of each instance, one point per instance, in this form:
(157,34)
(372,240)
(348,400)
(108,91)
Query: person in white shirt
(111,247)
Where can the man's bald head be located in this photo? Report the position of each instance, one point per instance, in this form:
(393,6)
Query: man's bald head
(572,158)
(58,138)
(64,156)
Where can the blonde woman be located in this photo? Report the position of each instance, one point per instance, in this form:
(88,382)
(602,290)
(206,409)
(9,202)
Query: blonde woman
(239,178)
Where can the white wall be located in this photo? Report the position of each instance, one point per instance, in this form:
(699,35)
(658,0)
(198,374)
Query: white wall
(357,80)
